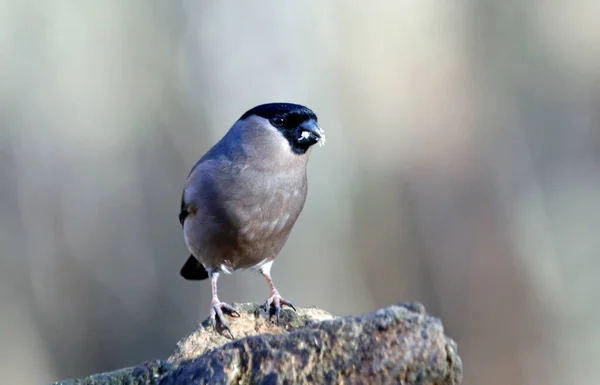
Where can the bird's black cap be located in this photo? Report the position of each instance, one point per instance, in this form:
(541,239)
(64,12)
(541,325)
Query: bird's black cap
(272,110)
(293,121)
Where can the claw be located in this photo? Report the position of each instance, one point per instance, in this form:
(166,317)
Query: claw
(288,303)
(230,309)
(274,303)
(217,312)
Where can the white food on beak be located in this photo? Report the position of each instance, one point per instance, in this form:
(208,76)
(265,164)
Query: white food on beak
(304,135)
(322,139)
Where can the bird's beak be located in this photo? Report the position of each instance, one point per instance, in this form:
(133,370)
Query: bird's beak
(310,133)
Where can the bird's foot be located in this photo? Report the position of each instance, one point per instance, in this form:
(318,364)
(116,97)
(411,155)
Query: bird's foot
(274,303)
(217,312)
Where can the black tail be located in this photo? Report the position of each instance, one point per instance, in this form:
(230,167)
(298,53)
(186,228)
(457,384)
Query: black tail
(193,270)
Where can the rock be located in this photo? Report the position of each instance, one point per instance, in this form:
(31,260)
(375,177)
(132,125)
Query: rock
(399,344)
(253,321)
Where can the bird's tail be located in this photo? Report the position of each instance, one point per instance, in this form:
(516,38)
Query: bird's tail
(193,270)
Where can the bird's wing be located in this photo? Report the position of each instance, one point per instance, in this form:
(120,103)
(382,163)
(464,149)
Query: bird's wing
(199,189)
(185,208)
(183,211)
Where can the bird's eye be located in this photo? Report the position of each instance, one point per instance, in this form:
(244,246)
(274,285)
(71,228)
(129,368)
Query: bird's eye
(277,121)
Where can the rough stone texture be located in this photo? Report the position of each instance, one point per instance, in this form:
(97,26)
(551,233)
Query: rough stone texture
(399,344)
(253,321)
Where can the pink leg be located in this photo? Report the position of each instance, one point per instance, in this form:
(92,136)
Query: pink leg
(275,301)
(217,308)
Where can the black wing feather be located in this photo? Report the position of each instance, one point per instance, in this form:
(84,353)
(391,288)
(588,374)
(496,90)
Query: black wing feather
(193,270)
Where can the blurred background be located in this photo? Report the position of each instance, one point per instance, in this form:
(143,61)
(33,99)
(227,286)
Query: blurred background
(462,170)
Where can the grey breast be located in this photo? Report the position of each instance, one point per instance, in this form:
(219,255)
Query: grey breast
(263,208)
(243,215)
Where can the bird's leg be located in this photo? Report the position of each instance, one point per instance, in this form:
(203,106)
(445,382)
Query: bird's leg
(275,301)
(218,306)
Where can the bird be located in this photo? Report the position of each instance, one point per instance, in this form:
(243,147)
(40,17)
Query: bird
(243,197)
